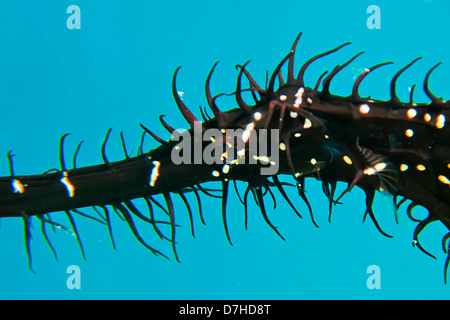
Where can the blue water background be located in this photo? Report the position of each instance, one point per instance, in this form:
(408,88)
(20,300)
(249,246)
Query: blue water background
(116,71)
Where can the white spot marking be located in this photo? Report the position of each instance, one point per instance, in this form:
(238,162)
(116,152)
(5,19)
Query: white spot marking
(411,113)
(440,121)
(409,133)
(226,168)
(155,173)
(370,171)
(216,173)
(247,131)
(421,167)
(17,186)
(263,159)
(444,179)
(241,152)
(307,124)
(257,116)
(380,166)
(299,97)
(347,160)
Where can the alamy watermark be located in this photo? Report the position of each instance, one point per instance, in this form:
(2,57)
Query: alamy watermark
(74,20)
(228,147)
(374,280)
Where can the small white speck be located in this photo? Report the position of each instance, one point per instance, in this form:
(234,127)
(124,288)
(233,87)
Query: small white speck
(17,186)
(380,166)
(411,113)
(444,179)
(440,121)
(264,159)
(69,186)
(298,96)
(216,173)
(247,131)
(347,160)
(409,133)
(257,116)
(307,124)
(370,171)
(155,173)
(226,168)
(421,167)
